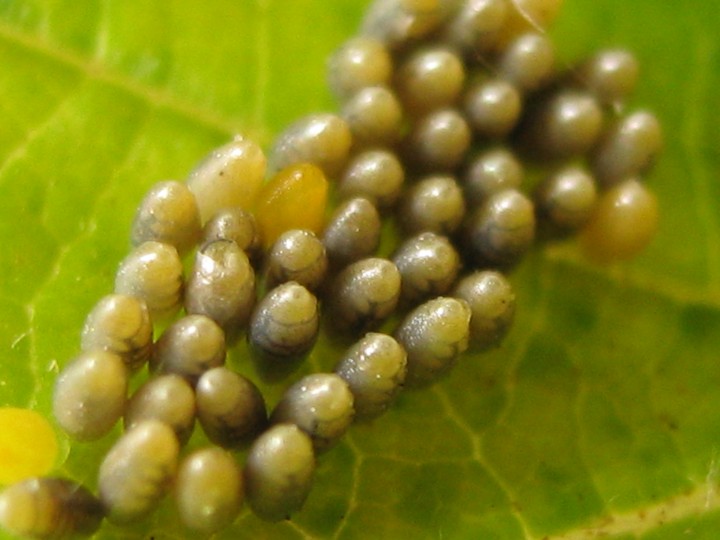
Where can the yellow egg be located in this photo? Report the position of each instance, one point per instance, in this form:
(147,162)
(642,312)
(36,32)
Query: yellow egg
(529,15)
(294,198)
(28,446)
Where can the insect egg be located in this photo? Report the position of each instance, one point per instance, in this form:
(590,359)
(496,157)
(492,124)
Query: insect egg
(189,347)
(321,405)
(322,139)
(428,264)
(208,490)
(167,398)
(359,62)
(48,508)
(374,369)
(528,62)
(236,225)
(434,334)
(400,22)
(153,273)
(477,26)
(90,394)
(169,214)
(490,171)
(377,175)
(435,204)
(230,176)
(353,232)
(493,107)
(611,75)
(120,324)
(525,15)
(439,140)
(230,408)
(297,255)
(221,286)
(566,198)
(492,303)
(279,472)
(374,116)
(137,471)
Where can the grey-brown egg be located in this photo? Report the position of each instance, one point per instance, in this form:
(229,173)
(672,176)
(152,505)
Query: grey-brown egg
(279,472)
(433,335)
(428,265)
(167,398)
(49,508)
(358,63)
(434,203)
(323,139)
(377,175)
(90,394)
(352,232)
(611,75)
(374,116)
(138,471)
(168,214)
(430,78)
(208,490)
(566,198)
(528,62)
(221,286)
(230,176)
(297,255)
(492,303)
(399,23)
(493,107)
(439,140)
(235,225)
(119,324)
(490,171)
(153,273)
(476,26)
(189,347)
(374,369)
(501,230)
(230,408)
(321,405)
(363,294)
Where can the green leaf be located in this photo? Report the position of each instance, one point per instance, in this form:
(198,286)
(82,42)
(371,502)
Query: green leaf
(600,414)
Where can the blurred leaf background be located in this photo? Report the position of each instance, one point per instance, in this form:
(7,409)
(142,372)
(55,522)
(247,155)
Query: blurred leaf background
(600,414)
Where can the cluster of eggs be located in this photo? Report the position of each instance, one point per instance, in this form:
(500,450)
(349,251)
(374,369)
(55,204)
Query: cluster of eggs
(445,103)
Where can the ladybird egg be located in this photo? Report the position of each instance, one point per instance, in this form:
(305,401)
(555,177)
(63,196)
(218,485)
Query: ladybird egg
(439,140)
(374,116)
(208,490)
(352,232)
(360,62)
(428,265)
(49,508)
(377,175)
(491,171)
(153,273)
(119,324)
(492,304)
(230,176)
(322,139)
(528,62)
(611,75)
(624,222)
(17,427)
(279,472)
(566,198)
(435,204)
(169,214)
(430,78)
(493,107)
(230,408)
(294,198)
(434,334)
(321,405)
(628,148)
(189,347)
(137,471)
(477,26)
(374,369)
(297,255)
(235,225)
(221,286)
(363,294)
(501,230)
(284,325)
(90,394)
(167,398)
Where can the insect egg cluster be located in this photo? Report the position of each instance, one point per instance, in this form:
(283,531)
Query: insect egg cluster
(457,128)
